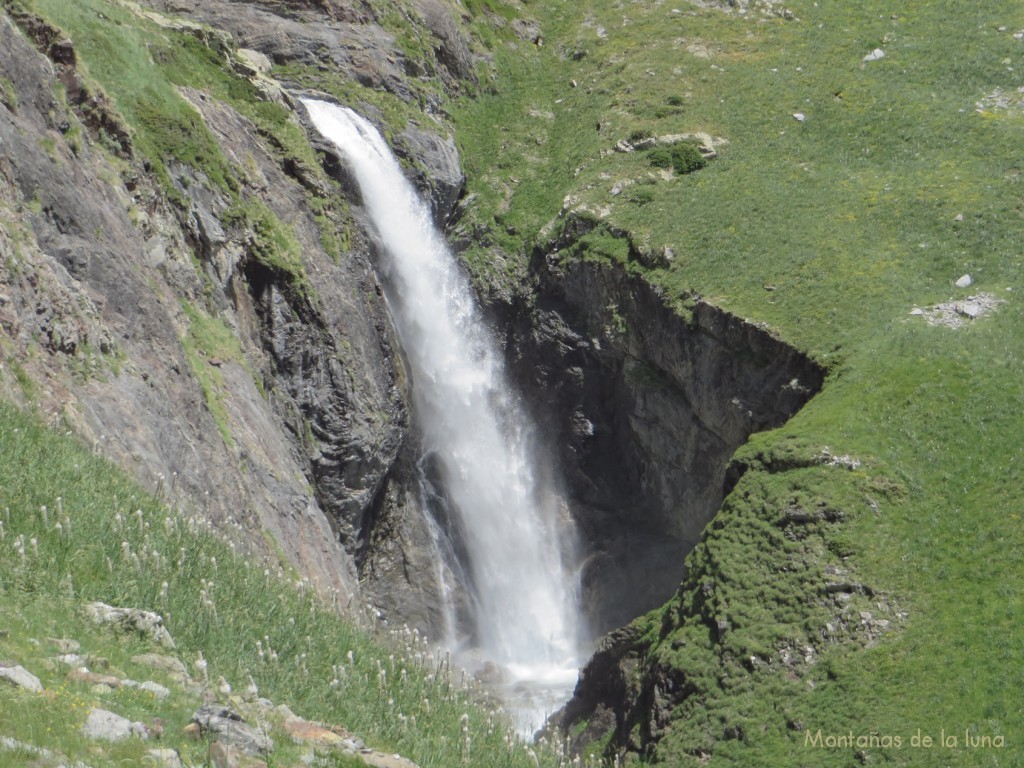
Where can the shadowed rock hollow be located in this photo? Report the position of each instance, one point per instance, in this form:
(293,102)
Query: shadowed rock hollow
(646,405)
(643,404)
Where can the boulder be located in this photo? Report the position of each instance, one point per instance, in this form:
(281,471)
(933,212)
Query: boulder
(159,691)
(163,758)
(971,309)
(174,667)
(109,726)
(83,675)
(377,759)
(257,62)
(19,677)
(131,620)
(306,732)
(225,756)
(64,645)
(228,727)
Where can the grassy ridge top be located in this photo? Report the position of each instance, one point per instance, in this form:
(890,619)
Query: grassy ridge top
(900,175)
(845,214)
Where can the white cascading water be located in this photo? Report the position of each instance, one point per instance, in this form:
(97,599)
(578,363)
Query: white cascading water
(514,531)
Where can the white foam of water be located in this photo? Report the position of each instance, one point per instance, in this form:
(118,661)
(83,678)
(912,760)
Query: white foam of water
(512,523)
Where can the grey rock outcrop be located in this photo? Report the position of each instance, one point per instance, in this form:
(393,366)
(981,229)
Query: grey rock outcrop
(19,677)
(7,744)
(173,666)
(451,47)
(346,39)
(228,727)
(225,756)
(108,726)
(146,623)
(163,758)
(158,691)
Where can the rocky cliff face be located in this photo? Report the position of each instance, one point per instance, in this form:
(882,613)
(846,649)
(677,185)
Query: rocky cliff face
(264,395)
(647,403)
(644,403)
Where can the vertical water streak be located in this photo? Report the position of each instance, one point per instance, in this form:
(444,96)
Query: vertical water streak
(513,525)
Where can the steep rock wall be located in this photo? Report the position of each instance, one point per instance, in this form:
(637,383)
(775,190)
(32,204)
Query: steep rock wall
(227,343)
(270,403)
(646,403)
(643,401)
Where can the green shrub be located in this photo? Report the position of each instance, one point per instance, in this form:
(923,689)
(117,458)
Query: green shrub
(637,136)
(683,158)
(660,157)
(642,196)
(686,158)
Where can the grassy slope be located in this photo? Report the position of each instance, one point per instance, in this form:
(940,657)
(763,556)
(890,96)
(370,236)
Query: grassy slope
(120,546)
(851,216)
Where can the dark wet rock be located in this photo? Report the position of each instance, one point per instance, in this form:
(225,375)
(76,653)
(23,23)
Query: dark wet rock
(606,685)
(648,402)
(437,171)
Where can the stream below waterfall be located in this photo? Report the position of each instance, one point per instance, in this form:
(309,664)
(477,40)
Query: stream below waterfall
(504,538)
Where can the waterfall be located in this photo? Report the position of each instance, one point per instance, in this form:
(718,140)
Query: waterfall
(511,522)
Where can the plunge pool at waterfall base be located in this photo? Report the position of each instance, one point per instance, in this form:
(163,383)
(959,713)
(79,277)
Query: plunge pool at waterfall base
(527,694)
